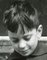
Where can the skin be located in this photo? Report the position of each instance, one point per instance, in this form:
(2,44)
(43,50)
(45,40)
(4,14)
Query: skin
(26,43)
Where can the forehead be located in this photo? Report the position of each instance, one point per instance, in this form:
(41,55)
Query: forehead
(20,32)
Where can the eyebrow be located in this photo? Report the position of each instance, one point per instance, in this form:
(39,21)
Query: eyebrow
(25,35)
(14,37)
(17,38)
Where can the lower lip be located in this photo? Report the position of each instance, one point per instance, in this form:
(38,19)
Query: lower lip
(24,52)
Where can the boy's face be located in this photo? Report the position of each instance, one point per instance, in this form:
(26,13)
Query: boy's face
(26,43)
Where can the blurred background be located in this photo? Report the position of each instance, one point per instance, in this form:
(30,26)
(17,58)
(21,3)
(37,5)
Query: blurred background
(41,6)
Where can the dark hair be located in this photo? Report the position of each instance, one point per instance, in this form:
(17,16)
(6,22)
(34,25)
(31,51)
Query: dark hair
(21,12)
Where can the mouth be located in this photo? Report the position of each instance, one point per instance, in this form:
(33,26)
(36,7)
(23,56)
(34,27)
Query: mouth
(24,52)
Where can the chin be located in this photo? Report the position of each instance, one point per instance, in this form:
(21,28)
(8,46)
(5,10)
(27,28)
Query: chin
(27,54)
(24,54)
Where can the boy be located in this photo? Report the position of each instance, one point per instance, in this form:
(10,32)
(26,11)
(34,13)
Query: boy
(24,31)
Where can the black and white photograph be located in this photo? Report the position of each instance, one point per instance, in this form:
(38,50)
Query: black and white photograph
(23,29)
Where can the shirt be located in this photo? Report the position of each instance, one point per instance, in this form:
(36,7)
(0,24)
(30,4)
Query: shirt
(40,53)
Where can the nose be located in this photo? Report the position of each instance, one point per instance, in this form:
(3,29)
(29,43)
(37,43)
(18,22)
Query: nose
(22,44)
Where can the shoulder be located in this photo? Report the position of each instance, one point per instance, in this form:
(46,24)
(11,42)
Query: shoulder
(41,48)
(14,56)
(41,51)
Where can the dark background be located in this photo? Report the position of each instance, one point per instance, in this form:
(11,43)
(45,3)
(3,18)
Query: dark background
(41,6)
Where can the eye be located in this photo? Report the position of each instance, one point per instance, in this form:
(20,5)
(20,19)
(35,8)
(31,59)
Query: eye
(26,38)
(15,40)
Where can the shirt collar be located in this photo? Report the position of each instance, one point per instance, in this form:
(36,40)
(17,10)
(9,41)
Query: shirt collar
(40,49)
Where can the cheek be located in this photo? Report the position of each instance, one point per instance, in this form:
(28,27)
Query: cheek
(14,45)
(33,41)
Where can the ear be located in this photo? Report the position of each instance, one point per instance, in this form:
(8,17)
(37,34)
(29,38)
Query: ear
(39,31)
